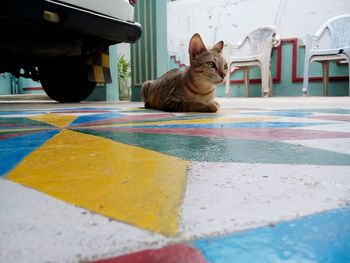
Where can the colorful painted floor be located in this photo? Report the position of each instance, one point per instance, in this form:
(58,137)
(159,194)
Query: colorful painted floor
(263,180)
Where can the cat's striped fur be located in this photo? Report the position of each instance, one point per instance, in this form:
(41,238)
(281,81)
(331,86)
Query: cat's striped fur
(193,89)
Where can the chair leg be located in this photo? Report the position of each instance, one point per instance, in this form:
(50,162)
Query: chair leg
(270,83)
(306,76)
(228,75)
(325,77)
(246,81)
(265,76)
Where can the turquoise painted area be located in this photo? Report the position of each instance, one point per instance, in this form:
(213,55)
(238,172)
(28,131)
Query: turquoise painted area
(14,150)
(95,117)
(112,93)
(323,237)
(99,93)
(25,83)
(6,83)
(225,149)
(136,93)
(231,125)
(330,111)
(21,122)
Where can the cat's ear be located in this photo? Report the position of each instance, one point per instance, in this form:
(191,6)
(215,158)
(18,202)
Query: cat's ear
(196,46)
(218,47)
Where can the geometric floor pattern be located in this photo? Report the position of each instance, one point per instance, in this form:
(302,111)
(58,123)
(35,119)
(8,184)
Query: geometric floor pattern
(277,175)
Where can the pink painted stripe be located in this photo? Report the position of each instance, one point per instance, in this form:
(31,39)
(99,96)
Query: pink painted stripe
(251,134)
(171,254)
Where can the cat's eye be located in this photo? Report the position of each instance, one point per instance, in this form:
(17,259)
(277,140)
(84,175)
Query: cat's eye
(225,67)
(211,64)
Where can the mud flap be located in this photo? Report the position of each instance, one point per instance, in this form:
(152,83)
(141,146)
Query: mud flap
(98,68)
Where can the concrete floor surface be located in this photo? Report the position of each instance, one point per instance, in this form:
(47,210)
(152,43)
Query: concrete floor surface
(262,180)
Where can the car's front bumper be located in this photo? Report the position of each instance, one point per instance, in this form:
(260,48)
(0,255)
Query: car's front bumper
(57,15)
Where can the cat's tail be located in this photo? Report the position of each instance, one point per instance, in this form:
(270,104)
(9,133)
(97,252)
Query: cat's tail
(145,89)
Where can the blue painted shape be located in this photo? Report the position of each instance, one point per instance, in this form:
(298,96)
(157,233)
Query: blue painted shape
(232,125)
(323,237)
(95,117)
(15,149)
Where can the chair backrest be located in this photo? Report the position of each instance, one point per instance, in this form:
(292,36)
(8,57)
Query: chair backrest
(338,29)
(258,38)
(258,41)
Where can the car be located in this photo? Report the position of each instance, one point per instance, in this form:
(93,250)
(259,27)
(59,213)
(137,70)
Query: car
(64,44)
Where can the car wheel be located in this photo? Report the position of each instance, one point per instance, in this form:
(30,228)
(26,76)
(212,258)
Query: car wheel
(66,82)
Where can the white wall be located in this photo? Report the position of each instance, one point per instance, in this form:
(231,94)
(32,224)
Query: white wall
(229,20)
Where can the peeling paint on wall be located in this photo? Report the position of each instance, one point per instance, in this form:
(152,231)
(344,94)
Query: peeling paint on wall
(230,20)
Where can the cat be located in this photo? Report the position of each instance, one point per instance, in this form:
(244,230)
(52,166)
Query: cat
(191,90)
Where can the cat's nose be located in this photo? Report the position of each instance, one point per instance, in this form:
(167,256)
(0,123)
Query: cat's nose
(223,75)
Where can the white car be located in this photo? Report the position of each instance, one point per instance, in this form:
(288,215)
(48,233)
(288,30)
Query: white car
(64,44)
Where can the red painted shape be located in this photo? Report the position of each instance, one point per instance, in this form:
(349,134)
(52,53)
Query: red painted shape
(32,88)
(173,57)
(171,254)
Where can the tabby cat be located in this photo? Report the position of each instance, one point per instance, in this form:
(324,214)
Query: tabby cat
(191,90)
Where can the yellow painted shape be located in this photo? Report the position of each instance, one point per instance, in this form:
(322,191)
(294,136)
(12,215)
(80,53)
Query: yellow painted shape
(127,183)
(56,120)
(191,121)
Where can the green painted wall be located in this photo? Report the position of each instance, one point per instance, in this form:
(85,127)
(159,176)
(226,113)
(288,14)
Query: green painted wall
(5,84)
(149,56)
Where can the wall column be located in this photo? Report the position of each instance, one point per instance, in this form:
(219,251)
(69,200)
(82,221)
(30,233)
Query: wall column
(149,56)
(112,93)
(108,91)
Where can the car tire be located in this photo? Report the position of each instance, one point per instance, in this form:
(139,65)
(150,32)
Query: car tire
(66,82)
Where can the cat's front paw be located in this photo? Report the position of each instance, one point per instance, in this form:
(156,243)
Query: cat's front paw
(213,106)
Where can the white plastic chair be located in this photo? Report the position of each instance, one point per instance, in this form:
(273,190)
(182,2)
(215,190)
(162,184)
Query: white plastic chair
(331,42)
(254,50)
